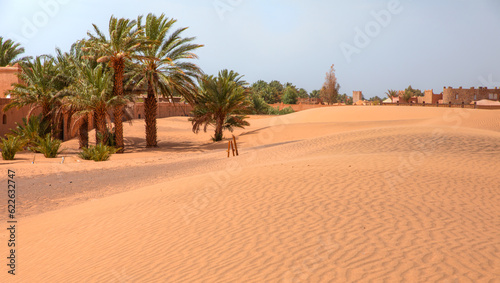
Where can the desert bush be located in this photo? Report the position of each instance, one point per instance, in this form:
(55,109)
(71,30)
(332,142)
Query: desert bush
(99,152)
(277,111)
(49,146)
(286,110)
(110,138)
(31,129)
(10,146)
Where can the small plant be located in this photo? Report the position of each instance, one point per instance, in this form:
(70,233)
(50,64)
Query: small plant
(49,146)
(31,129)
(109,138)
(286,110)
(99,152)
(10,146)
(276,111)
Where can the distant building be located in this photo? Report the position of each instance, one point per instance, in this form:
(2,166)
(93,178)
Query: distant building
(459,95)
(356,96)
(431,97)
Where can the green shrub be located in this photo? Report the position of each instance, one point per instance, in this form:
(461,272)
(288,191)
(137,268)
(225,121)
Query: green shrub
(98,152)
(273,111)
(30,130)
(49,146)
(10,146)
(110,141)
(286,110)
(276,111)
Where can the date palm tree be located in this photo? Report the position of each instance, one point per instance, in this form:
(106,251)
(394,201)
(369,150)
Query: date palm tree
(9,51)
(123,44)
(221,102)
(41,88)
(70,65)
(163,68)
(93,94)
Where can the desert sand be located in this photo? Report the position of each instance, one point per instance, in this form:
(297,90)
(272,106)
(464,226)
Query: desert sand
(339,194)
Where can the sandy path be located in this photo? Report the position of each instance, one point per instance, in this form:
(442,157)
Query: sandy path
(401,200)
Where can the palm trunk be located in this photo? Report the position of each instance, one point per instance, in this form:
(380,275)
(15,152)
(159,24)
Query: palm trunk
(218,129)
(83,132)
(100,122)
(118,111)
(46,112)
(46,116)
(150,106)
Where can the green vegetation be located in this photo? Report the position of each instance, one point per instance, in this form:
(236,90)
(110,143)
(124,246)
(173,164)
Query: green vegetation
(49,146)
(411,92)
(10,146)
(99,152)
(9,51)
(391,93)
(290,95)
(31,130)
(277,111)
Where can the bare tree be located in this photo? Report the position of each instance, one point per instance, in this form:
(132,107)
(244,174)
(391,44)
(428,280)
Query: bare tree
(330,89)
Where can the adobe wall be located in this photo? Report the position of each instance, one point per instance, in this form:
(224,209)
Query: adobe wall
(9,118)
(459,95)
(430,97)
(356,96)
(165,109)
(300,107)
(8,76)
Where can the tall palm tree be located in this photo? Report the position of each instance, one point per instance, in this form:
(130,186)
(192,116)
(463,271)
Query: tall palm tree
(221,102)
(391,94)
(163,68)
(9,51)
(123,44)
(93,94)
(41,88)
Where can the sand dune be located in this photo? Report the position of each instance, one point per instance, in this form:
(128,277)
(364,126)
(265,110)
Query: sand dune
(341,194)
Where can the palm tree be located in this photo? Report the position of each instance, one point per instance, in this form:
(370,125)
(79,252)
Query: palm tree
(93,94)
(123,45)
(9,52)
(221,102)
(391,94)
(41,88)
(69,66)
(162,68)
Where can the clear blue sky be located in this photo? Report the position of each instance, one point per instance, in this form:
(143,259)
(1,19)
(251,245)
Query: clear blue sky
(375,44)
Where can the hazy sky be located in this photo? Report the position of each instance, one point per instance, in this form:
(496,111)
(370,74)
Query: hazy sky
(375,44)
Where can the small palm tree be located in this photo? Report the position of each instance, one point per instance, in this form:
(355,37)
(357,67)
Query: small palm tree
(162,68)
(70,65)
(391,94)
(123,45)
(9,51)
(221,102)
(31,129)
